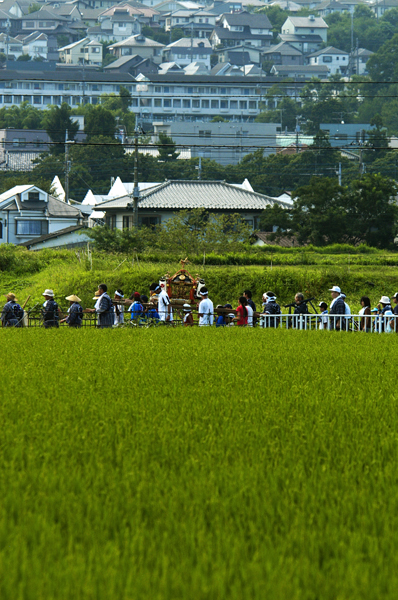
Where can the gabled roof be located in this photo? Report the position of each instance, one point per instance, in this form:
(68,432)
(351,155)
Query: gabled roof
(33,37)
(137,40)
(328,50)
(11,40)
(223,33)
(284,49)
(54,235)
(332,4)
(119,62)
(255,20)
(84,41)
(17,189)
(197,43)
(45,15)
(181,195)
(307,22)
(291,37)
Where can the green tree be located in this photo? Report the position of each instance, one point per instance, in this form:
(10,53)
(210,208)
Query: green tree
(99,122)
(167,148)
(24,58)
(319,214)
(57,120)
(382,65)
(372,211)
(275,217)
(177,33)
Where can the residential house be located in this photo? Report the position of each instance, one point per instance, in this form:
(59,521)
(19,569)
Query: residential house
(45,21)
(307,34)
(11,47)
(359,59)
(335,60)
(157,205)
(69,10)
(36,45)
(283,54)
(85,51)
(332,6)
(226,69)
(199,23)
(20,147)
(27,212)
(138,44)
(145,15)
(168,6)
(346,134)
(300,71)
(69,237)
(134,65)
(187,50)
(242,28)
(242,54)
(288,5)
(380,7)
(117,26)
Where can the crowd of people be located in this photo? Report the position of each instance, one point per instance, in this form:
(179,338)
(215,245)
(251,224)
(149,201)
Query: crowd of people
(140,309)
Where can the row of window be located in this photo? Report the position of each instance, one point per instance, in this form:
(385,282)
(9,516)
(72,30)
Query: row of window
(92,87)
(195,103)
(31,227)
(170,89)
(167,103)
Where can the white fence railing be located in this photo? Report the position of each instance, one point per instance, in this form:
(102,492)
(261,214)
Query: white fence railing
(367,324)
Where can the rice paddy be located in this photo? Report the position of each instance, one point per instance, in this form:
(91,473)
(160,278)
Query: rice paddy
(198,464)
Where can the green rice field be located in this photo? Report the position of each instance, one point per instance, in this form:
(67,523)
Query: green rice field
(204,464)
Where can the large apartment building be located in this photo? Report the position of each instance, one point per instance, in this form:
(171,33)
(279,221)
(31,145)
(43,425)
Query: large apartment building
(172,96)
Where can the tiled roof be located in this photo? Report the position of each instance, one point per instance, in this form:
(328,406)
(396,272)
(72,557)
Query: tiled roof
(185,195)
(225,34)
(255,20)
(137,40)
(54,235)
(307,22)
(328,50)
(284,49)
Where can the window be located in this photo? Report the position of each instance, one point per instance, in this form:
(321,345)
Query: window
(214,103)
(224,104)
(246,91)
(110,221)
(127,222)
(243,105)
(252,105)
(145,101)
(148,221)
(186,104)
(1,229)
(177,103)
(17,99)
(327,59)
(205,133)
(158,89)
(37,100)
(166,103)
(205,104)
(233,104)
(157,102)
(7,99)
(195,103)
(95,50)
(31,227)
(213,90)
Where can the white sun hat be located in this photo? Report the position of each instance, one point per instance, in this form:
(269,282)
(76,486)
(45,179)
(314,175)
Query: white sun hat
(384,300)
(48,293)
(335,288)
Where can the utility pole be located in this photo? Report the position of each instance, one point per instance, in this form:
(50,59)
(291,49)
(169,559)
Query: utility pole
(297,133)
(191,39)
(357,69)
(8,26)
(199,167)
(67,166)
(136,190)
(339,174)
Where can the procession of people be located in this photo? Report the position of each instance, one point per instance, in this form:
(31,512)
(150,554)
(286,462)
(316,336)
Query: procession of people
(159,308)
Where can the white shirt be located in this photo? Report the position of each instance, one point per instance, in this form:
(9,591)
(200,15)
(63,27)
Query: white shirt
(97,304)
(206,308)
(163,303)
(347,309)
(335,300)
(119,318)
(249,316)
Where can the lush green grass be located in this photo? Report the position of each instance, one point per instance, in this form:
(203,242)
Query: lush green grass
(205,464)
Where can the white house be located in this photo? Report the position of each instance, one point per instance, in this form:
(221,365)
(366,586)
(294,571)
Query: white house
(185,51)
(36,45)
(27,212)
(335,60)
(11,47)
(138,44)
(84,51)
(307,34)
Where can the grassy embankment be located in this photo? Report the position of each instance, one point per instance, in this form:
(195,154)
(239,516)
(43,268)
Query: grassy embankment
(180,464)
(373,274)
